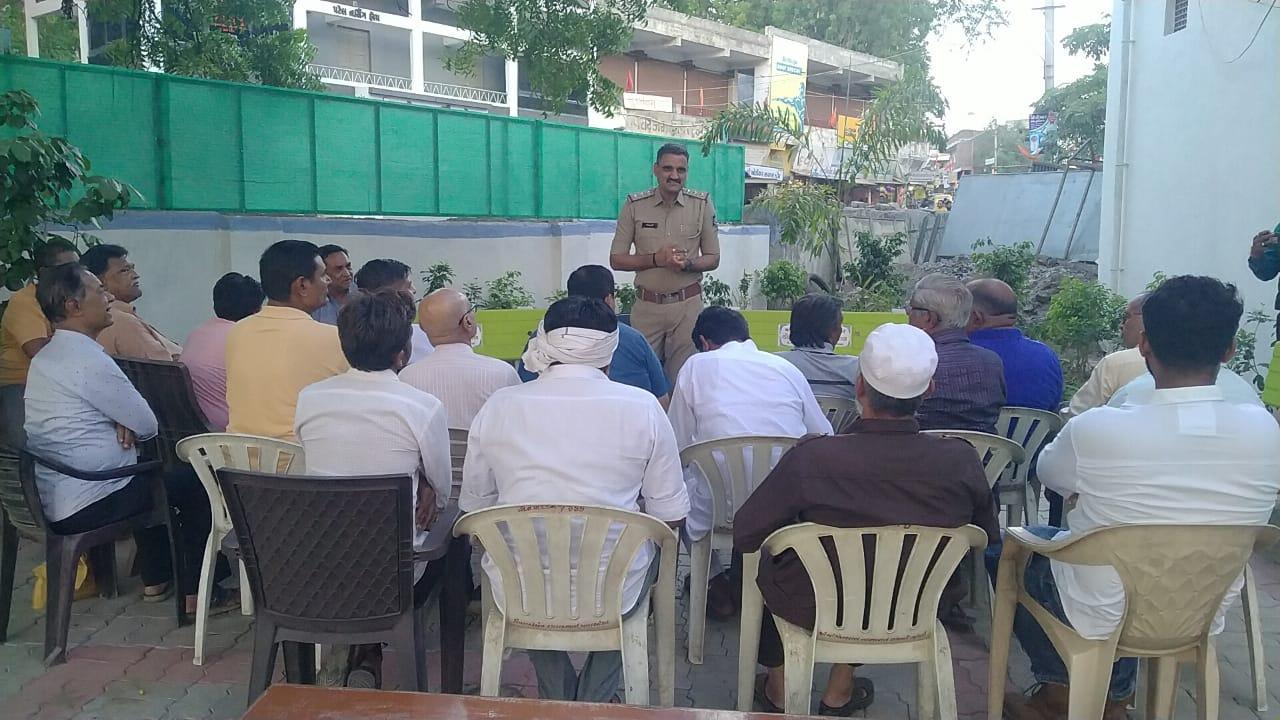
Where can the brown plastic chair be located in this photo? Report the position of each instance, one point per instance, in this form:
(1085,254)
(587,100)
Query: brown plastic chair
(23,515)
(330,560)
(166,386)
(1174,578)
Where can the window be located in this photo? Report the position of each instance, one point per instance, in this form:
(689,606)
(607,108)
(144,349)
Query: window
(1175,16)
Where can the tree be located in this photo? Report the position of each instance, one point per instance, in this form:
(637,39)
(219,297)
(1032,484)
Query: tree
(249,41)
(38,174)
(558,43)
(59,37)
(1011,136)
(1081,105)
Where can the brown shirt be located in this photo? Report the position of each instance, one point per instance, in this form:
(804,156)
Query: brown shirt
(884,472)
(650,224)
(130,336)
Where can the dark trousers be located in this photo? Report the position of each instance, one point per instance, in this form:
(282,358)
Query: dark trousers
(191,505)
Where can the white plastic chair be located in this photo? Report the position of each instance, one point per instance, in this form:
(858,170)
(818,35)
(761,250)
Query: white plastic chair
(731,480)
(208,453)
(554,606)
(839,411)
(1174,578)
(1253,632)
(1032,429)
(457,456)
(896,622)
(998,454)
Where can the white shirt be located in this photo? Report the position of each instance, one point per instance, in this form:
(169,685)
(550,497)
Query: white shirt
(370,423)
(462,379)
(420,345)
(1186,456)
(1235,390)
(1110,374)
(738,390)
(75,397)
(574,436)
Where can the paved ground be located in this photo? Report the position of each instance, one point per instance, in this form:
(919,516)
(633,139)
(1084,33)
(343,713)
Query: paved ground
(130,662)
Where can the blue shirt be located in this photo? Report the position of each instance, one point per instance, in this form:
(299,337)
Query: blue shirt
(1032,373)
(634,363)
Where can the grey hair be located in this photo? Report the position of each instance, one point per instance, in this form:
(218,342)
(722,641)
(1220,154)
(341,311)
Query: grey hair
(946,296)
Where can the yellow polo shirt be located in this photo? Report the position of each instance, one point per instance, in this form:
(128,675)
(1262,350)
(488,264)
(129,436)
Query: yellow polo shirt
(271,356)
(23,322)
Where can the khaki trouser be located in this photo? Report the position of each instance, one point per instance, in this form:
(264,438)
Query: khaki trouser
(669,330)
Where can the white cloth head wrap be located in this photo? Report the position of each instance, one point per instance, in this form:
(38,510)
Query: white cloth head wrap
(571,346)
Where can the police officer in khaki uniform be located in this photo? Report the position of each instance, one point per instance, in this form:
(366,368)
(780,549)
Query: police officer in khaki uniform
(673,231)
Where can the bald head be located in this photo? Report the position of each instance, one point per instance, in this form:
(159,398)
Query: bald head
(995,304)
(445,316)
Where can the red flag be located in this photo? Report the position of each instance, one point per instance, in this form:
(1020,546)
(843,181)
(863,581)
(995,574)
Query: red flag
(833,115)
(631,85)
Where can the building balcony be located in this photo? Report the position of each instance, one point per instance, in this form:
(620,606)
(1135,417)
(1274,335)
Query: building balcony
(463,92)
(361,77)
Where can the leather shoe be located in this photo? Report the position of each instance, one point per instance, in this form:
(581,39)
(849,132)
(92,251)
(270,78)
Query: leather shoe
(1046,702)
(721,602)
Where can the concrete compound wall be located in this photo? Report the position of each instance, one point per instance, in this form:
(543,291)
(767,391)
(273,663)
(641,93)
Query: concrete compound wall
(180,255)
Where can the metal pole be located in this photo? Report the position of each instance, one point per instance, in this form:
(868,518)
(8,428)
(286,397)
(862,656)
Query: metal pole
(1049,45)
(1071,237)
(1049,220)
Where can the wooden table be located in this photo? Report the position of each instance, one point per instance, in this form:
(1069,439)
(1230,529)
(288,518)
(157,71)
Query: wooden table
(302,702)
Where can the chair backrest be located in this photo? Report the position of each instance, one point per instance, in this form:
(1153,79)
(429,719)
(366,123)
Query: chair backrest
(891,578)
(211,452)
(840,411)
(1174,576)
(457,457)
(167,388)
(996,453)
(734,467)
(540,587)
(19,497)
(1030,428)
(320,551)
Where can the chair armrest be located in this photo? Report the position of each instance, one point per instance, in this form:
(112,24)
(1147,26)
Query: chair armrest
(1025,540)
(98,475)
(440,534)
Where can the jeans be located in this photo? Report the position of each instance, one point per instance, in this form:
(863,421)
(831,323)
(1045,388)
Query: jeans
(1046,665)
(12,414)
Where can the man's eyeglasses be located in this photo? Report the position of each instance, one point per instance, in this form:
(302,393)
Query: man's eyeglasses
(917,308)
(469,311)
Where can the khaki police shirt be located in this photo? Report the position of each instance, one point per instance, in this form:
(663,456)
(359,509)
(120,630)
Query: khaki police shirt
(650,225)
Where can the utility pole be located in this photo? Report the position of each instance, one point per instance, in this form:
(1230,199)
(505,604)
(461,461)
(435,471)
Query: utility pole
(1049,44)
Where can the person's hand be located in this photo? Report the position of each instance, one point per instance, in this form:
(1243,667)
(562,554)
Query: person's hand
(426,512)
(125,437)
(670,257)
(1261,241)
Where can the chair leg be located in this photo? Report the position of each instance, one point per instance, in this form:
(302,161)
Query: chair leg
(407,658)
(699,576)
(246,592)
(299,663)
(1208,691)
(1162,687)
(977,576)
(1090,674)
(61,557)
(495,628)
(751,615)
(420,647)
(102,561)
(453,613)
(944,682)
(1253,632)
(203,594)
(635,655)
(263,665)
(1006,602)
(8,570)
(798,652)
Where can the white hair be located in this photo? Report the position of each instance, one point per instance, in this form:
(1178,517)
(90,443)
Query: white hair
(947,297)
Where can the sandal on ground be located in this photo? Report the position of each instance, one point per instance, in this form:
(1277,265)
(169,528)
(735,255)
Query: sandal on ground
(762,698)
(221,601)
(164,594)
(864,693)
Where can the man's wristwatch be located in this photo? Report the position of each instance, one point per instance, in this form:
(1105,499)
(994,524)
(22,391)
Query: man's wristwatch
(688,266)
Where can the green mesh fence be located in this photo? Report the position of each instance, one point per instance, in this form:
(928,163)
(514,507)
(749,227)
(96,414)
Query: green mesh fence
(189,144)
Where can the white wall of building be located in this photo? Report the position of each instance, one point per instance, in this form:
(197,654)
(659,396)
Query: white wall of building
(1193,144)
(181,255)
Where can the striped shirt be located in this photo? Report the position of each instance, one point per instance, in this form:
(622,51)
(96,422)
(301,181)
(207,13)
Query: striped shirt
(969,386)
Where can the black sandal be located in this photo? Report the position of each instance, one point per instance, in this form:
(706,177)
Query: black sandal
(864,693)
(762,698)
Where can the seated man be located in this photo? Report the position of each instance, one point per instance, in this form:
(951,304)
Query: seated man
(387,273)
(460,377)
(882,472)
(23,331)
(561,439)
(235,297)
(83,411)
(634,363)
(1032,372)
(969,387)
(276,352)
(367,422)
(1186,456)
(1117,369)
(816,324)
(342,286)
(731,388)
(129,335)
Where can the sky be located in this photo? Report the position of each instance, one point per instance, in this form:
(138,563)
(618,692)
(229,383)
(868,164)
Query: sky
(1001,76)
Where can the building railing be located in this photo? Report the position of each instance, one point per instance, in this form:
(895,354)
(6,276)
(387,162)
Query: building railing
(330,72)
(463,92)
